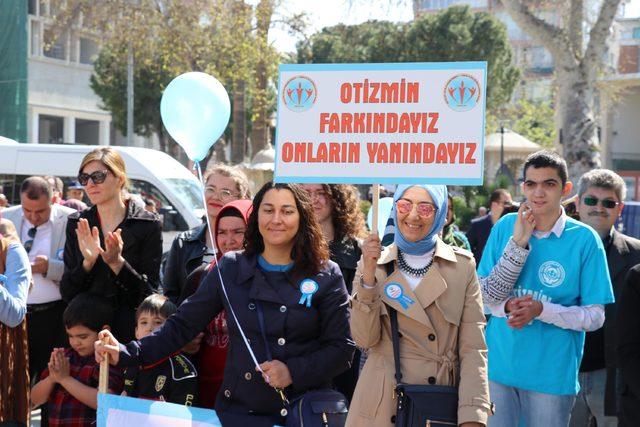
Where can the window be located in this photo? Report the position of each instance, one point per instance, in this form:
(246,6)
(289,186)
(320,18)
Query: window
(88,51)
(6,187)
(50,129)
(173,220)
(87,131)
(35,38)
(636,33)
(33,7)
(57,49)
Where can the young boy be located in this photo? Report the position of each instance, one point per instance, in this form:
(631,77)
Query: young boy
(69,386)
(173,379)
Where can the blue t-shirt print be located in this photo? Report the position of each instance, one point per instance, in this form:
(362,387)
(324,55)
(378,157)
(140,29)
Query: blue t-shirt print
(567,270)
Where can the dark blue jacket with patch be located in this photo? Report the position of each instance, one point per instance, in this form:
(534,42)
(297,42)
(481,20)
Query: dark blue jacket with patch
(314,342)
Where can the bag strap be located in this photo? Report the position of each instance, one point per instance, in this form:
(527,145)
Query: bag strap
(395,333)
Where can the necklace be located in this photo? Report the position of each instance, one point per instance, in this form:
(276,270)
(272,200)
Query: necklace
(416,272)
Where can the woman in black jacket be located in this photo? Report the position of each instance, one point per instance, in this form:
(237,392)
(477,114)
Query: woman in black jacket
(286,275)
(113,248)
(192,249)
(337,209)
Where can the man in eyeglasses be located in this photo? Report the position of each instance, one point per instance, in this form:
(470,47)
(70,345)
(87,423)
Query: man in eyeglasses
(41,226)
(601,193)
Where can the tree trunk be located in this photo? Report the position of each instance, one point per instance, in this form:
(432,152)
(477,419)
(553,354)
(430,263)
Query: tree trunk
(576,68)
(578,128)
(239,130)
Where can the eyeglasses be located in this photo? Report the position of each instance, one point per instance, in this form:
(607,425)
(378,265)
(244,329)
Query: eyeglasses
(425,209)
(223,194)
(97,177)
(606,203)
(32,235)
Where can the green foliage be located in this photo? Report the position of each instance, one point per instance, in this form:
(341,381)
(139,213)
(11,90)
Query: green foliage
(109,82)
(455,34)
(365,205)
(532,119)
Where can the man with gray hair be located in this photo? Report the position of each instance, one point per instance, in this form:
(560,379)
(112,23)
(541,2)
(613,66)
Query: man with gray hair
(601,195)
(41,226)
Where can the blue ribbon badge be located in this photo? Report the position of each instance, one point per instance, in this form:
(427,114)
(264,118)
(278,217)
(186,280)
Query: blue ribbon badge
(308,287)
(395,292)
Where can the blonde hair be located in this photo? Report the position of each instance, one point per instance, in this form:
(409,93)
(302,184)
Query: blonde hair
(112,161)
(8,231)
(238,177)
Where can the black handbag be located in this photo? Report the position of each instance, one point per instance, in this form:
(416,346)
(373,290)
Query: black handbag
(421,404)
(314,408)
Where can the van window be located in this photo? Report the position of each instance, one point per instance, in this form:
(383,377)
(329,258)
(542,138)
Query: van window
(188,191)
(164,207)
(6,187)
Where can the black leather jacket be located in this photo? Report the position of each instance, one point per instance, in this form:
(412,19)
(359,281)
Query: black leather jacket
(183,258)
(142,237)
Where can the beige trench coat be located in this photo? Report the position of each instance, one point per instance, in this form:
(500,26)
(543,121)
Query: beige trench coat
(442,337)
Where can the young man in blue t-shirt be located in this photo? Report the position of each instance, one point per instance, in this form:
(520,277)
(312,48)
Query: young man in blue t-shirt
(555,272)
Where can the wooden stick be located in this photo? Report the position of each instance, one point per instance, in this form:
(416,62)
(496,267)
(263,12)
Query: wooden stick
(103,379)
(374,205)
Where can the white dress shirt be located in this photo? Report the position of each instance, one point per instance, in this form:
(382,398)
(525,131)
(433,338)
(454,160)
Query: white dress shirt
(44,289)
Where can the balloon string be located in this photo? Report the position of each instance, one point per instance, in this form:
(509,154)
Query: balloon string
(224,289)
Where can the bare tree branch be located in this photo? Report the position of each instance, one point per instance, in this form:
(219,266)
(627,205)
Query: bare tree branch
(552,37)
(575,23)
(598,36)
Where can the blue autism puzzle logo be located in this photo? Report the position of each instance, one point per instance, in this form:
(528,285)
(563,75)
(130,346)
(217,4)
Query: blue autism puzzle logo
(299,94)
(462,92)
(551,274)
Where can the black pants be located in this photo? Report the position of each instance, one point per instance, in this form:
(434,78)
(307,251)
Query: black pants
(46,332)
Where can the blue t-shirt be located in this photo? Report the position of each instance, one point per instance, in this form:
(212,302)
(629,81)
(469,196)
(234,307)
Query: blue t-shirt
(568,270)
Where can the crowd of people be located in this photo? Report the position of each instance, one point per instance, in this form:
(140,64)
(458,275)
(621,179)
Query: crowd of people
(286,292)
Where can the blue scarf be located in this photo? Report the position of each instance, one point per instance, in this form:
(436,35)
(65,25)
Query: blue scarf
(439,195)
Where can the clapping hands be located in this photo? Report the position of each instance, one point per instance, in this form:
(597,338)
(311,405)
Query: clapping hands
(89,243)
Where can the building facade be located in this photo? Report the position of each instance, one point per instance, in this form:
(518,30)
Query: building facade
(531,58)
(45,92)
(620,106)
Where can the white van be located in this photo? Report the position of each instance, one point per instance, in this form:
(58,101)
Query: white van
(152,174)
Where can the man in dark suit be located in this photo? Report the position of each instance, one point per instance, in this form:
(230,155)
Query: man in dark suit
(628,341)
(601,193)
(480,228)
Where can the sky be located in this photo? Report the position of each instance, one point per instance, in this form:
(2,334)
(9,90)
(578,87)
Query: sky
(325,13)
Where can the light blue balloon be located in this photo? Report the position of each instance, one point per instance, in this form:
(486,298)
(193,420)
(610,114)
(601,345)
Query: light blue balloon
(384,210)
(195,109)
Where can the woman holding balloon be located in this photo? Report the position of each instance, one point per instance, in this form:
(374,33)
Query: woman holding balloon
(287,306)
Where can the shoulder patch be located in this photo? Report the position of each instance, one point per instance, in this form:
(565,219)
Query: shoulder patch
(182,368)
(463,252)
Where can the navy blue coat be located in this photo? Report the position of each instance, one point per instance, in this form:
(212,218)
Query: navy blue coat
(314,342)
(478,235)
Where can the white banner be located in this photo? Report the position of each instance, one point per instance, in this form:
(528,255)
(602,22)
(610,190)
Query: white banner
(381,123)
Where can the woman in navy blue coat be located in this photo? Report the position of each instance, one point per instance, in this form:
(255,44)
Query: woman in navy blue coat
(285,272)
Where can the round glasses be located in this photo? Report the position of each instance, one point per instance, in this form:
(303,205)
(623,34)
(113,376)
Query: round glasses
(424,209)
(222,194)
